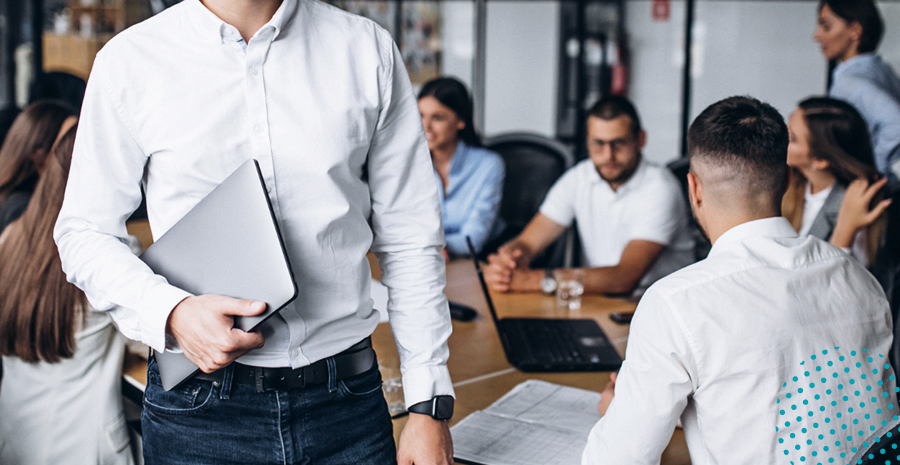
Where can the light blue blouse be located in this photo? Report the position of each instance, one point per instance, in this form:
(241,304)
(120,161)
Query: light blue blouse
(870,85)
(471,202)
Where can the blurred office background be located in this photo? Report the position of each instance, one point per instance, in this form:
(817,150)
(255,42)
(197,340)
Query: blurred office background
(533,66)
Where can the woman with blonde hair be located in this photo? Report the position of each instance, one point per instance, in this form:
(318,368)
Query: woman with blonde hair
(60,398)
(836,191)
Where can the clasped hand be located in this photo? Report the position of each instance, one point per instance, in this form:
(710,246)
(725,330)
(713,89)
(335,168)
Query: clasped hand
(204,328)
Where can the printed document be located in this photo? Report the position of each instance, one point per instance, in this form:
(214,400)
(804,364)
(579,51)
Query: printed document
(536,423)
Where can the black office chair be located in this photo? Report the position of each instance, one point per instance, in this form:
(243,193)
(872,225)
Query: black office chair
(886,267)
(680,169)
(883,446)
(533,164)
(58,85)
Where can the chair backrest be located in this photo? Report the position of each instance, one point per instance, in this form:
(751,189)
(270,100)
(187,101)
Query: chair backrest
(883,446)
(58,85)
(886,267)
(533,164)
(680,169)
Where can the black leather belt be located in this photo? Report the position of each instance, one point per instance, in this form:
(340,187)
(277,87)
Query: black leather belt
(353,361)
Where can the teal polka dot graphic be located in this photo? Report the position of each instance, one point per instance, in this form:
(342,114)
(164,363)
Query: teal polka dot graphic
(815,395)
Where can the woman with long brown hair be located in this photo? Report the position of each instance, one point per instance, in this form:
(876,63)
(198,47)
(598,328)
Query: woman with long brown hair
(60,396)
(836,191)
(26,147)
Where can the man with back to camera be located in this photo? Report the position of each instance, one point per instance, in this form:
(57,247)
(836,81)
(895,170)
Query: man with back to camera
(771,350)
(630,212)
(322,100)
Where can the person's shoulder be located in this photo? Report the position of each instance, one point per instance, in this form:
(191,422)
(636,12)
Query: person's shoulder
(485,157)
(163,25)
(337,20)
(658,178)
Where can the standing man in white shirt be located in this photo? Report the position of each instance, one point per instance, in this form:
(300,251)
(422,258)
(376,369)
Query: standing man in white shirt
(631,214)
(321,99)
(771,350)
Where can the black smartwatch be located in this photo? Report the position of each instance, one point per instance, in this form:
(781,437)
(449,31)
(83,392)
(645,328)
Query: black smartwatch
(439,408)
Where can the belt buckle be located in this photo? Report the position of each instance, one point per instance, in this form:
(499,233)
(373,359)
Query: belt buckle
(259,377)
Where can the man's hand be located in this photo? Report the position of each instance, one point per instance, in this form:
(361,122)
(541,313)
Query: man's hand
(425,441)
(607,394)
(499,271)
(204,328)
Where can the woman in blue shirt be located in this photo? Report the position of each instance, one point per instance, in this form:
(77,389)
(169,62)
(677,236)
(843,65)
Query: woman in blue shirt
(470,178)
(849,32)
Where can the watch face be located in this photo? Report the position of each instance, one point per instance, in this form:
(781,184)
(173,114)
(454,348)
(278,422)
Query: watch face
(443,407)
(548,285)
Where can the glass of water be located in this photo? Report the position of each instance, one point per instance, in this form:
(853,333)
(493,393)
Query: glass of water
(393,388)
(569,287)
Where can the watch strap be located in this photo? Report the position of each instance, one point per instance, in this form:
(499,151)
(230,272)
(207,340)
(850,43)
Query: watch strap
(439,408)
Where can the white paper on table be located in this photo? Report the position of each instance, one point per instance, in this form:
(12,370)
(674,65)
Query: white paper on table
(535,423)
(379,294)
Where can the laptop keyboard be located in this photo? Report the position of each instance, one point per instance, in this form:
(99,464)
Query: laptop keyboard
(552,342)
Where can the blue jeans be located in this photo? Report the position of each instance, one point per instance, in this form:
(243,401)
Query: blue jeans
(206,422)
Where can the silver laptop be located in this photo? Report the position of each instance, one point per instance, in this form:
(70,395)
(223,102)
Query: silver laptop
(228,244)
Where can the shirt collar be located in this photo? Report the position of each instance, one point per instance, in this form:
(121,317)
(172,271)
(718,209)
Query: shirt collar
(215,29)
(863,60)
(634,180)
(458,160)
(777,226)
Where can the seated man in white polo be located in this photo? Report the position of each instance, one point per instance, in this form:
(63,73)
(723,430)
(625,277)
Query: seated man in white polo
(771,350)
(631,214)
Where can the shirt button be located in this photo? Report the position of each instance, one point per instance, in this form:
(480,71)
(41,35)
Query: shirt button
(257,128)
(295,352)
(254,71)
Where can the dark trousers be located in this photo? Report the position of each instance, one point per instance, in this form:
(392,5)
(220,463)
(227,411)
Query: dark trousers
(206,422)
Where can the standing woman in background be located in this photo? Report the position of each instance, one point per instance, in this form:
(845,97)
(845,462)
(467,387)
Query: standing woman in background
(834,180)
(26,147)
(60,399)
(469,177)
(849,31)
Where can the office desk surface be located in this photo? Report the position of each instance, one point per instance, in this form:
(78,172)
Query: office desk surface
(477,364)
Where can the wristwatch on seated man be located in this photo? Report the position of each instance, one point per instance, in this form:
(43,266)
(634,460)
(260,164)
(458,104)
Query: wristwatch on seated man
(548,284)
(439,408)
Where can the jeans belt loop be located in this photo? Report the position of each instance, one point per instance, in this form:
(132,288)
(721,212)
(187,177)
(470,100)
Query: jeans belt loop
(260,378)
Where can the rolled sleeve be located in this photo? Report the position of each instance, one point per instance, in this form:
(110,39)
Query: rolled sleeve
(406,223)
(103,190)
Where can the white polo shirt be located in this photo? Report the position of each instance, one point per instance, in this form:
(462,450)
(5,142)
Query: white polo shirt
(649,207)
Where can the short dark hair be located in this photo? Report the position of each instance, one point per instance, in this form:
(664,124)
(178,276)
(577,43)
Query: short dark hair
(453,94)
(863,12)
(747,135)
(614,106)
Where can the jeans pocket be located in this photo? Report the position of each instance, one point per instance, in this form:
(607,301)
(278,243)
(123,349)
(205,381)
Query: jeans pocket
(362,385)
(190,397)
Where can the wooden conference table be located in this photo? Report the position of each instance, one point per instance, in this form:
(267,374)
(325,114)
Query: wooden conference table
(477,365)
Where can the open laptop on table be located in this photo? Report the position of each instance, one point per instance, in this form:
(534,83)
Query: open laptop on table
(551,344)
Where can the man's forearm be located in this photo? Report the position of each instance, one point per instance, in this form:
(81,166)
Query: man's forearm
(609,280)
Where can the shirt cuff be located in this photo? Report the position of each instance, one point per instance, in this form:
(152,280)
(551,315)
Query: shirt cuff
(158,304)
(422,384)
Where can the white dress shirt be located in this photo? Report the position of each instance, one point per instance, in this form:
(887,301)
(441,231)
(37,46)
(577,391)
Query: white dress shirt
(649,207)
(321,99)
(738,346)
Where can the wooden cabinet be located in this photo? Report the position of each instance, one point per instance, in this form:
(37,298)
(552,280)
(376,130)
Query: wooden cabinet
(89,24)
